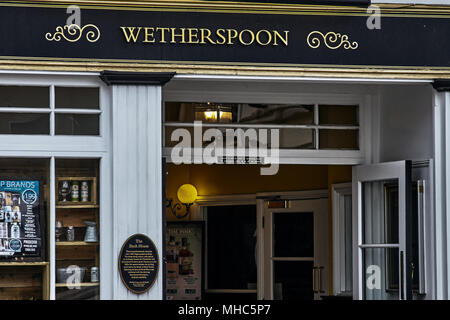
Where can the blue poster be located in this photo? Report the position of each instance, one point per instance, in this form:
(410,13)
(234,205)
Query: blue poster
(20,234)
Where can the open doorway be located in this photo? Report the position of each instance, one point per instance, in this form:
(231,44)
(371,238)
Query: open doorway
(265,237)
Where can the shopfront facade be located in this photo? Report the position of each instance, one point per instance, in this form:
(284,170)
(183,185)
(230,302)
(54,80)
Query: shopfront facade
(88,115)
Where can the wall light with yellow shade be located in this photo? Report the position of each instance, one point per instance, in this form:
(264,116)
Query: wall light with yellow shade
(187,194)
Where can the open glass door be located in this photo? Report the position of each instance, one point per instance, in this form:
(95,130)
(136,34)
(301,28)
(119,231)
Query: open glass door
(296,249)
(383,231)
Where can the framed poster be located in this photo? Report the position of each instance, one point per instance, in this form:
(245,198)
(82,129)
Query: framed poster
(20,219)
(185,260)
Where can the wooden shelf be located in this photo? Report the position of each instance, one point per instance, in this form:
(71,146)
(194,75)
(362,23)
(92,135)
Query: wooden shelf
(76,243)
(23,264)
(73,205)
(82,284)
(92,191)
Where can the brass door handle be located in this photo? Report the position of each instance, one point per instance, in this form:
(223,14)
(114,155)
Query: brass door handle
(320,280)
(314,279)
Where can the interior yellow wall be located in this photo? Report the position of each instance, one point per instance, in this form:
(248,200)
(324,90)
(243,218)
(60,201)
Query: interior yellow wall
(246,179)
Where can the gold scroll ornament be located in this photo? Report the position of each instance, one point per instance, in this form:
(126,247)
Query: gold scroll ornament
(74,32)
(332,40)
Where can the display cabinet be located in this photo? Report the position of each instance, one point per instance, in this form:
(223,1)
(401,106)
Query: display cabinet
(76,229)
(24,203)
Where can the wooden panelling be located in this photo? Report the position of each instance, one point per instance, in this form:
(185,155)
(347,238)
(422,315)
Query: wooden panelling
(76,252)
(22,283)
(75,217)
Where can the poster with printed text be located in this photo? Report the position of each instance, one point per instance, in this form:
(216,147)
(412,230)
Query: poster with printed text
(20,233)
(184,256)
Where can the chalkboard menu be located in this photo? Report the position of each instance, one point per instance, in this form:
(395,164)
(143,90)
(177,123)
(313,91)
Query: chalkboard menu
(20,230)
(138,263)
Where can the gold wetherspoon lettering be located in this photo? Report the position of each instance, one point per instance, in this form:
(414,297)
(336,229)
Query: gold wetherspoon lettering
(220,36)
(332,40)
(73,33)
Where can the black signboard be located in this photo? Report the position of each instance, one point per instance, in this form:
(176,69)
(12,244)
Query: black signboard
(138,263)
(153,35)
(314,2)
(20,219)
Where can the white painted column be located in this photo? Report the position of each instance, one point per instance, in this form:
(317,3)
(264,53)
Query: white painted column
(136,176)
(441,102)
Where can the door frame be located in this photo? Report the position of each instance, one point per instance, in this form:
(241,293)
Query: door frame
(319,207)
(376,172)
(199,213)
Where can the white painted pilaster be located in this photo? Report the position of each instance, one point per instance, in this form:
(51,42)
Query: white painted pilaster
(136,176)
(442,192)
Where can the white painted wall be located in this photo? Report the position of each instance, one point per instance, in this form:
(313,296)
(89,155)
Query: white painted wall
(136,177)
(406,122)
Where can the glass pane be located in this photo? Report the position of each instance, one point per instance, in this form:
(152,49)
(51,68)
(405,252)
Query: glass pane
(338,115)
(276,114)
(297,139)
(293,280)
(239,113)
(380,273)
(24,123)
(380,212)
(415,238)
(288,138)
(392,196)
(77,229)
(24,205)
(293,234)
(24,97)
(231,237)
(77,98)
(338,139)
(77,124)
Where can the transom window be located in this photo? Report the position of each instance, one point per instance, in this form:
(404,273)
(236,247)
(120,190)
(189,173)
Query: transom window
(49,110)
(301,126)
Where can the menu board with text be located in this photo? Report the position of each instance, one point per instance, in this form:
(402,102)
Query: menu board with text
(184,260)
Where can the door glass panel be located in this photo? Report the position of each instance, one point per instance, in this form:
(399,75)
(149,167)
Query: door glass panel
(415,239)
(293,234)
(393,197)
(293,280)
(380,212)
(380,273)
(231,247)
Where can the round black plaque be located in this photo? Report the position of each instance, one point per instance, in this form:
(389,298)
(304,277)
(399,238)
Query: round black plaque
(138,263)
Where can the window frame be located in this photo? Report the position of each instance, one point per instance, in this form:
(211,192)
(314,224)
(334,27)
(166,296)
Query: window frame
(63,146)
(13,143)
(286,156)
